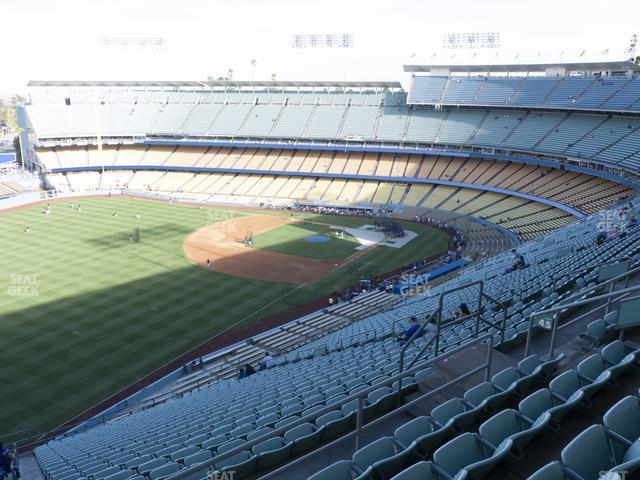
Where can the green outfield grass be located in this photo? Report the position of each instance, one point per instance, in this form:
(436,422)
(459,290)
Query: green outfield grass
(290,239)
(84,312)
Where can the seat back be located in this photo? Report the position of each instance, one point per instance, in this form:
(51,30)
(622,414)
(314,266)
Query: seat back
(447,410)
(505,378)
(298,432)
(476,395)
(591,366)
(588,454)
(551,471)
(269,445)
(375,451)
(418,471)
(196,458)
(412,430)
(536,404)
(566,384)
(529,364)
(338,471)
(500,427)
(624,418)
(164,471)
(614,352)
(230,445)
(458,453)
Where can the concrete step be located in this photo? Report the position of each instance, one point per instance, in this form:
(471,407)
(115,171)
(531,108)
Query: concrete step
(29,468)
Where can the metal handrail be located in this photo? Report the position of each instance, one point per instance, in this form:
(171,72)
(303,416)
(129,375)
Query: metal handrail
(359,396)
(598,286)
(563,305)
(354,335)
(441,306)
(416,401)
(554,326)
(580,317)
(410,341)
(590,266)
(440,323)
(501,327)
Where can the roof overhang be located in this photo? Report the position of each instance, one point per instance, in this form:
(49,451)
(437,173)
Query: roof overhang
(212,83)
(621,66)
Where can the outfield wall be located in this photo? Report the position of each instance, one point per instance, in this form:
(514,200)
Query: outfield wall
(27,198)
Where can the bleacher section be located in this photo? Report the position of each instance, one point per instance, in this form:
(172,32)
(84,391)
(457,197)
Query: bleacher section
(609,93)
(579,191)
(363,355)
(599,137)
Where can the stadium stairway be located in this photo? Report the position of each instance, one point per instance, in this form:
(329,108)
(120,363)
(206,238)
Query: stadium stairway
(29,469)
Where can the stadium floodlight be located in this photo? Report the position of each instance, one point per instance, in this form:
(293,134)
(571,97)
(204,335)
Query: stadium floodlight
(631,48)
(322,40)
(471,40)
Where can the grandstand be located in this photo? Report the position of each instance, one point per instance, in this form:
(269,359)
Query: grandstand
(539,157)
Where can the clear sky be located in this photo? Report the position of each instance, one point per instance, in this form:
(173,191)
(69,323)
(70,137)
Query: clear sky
(58,40)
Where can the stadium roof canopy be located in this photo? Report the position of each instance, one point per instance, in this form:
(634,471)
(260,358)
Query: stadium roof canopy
(97,83)
(212,83)
(528,67)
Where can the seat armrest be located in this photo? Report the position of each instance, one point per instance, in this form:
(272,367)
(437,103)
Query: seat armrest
(613,436)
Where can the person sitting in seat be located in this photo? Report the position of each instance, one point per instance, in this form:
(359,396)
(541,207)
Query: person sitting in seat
(267,362)
(462,312)
(245,371)
(518,262)
(6,460)
(409,332)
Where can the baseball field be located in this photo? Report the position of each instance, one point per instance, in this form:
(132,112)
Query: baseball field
(102,291)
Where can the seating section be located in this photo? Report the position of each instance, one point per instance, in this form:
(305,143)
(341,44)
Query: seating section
(612,140)
(620,93)
(507,432)
(579,191)
(607,450)
(9,187)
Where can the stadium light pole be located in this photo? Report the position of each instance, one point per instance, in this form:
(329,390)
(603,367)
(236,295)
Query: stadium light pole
(254,62)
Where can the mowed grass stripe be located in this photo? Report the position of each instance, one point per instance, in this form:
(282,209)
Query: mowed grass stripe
(109,312)
(291,240)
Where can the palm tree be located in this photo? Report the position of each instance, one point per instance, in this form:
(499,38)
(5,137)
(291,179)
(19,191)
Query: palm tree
(230,74)
(274,77)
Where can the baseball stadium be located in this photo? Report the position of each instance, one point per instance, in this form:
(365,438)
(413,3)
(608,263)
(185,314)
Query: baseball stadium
(432,277)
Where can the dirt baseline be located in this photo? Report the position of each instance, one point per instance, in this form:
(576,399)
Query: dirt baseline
(222,244)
